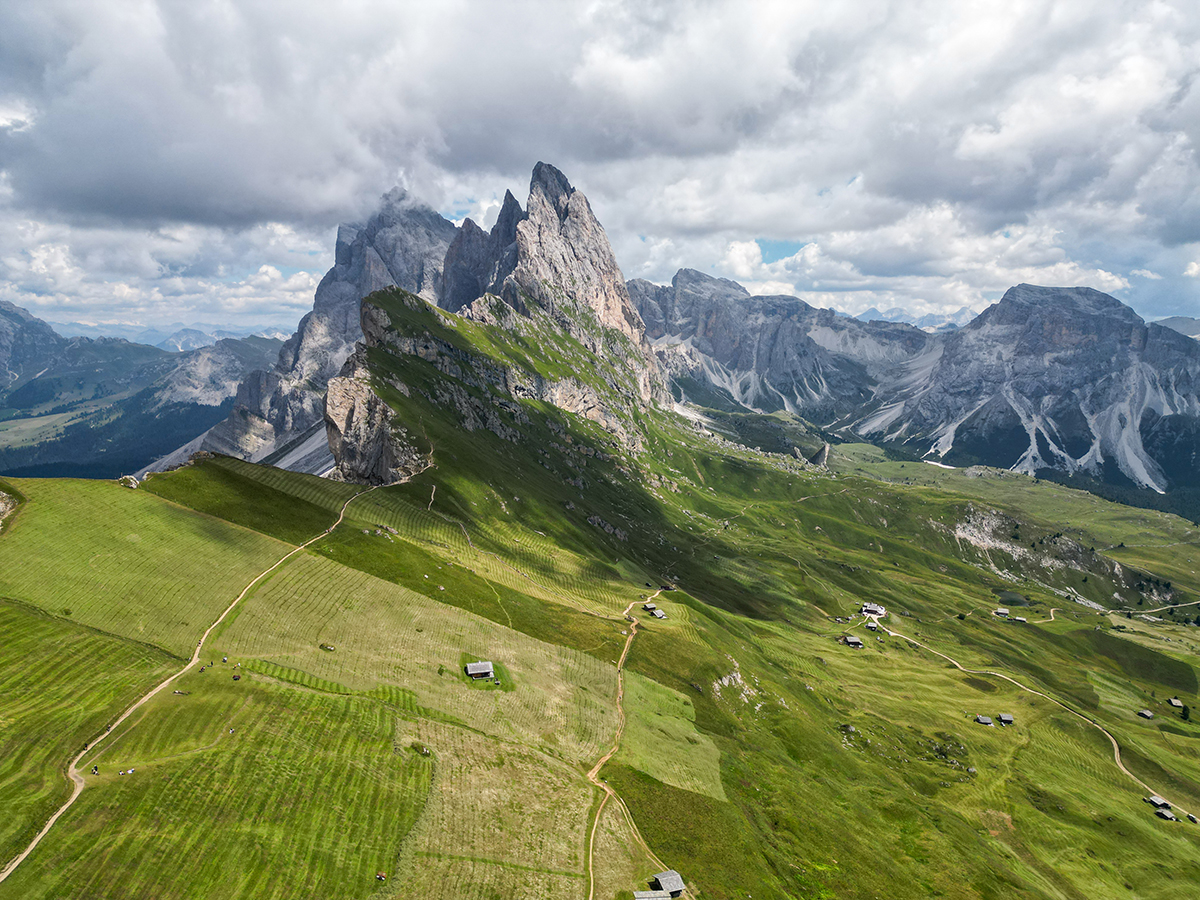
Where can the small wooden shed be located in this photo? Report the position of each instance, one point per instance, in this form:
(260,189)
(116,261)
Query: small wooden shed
(481,669)
(670,881)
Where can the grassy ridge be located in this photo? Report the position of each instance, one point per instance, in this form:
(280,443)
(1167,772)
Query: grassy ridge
(761,755)
(239,492)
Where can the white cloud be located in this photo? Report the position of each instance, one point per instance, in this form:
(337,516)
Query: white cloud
(927,153)
(1146,273)
(1192,270)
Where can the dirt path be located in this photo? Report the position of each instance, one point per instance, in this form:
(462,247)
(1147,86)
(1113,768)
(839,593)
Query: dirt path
(1108,734)
(1159,608)
(594,775)
(1053,610)
(72,768)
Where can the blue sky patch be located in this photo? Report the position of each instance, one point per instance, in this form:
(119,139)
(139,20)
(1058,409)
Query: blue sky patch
(773,251)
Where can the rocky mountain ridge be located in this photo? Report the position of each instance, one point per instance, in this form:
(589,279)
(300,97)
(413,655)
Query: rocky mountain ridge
(551,257)
(403,244)
(1068,379)
(1049,378)
(1088,389)
(72,404)
(1183,324)
(769,353)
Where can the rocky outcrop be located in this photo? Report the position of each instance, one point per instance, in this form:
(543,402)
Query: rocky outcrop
(770,353)
(1053,378)
(821,457)
(501,384)
(7,505)
(555,256)
(403,244)
(368,445)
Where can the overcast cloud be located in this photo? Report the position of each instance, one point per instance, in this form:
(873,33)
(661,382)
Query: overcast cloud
(191,160)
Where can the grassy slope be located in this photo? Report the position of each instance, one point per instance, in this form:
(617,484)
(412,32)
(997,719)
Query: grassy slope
(125,562)
(233,490)
(279,805)
(61,683)
(746,675)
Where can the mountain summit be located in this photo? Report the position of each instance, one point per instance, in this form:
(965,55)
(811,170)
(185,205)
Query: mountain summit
(1051,378)
(552,256)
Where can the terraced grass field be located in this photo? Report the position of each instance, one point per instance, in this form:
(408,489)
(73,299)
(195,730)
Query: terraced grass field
(308,793)
(760,755)
(61,683)
(126,563)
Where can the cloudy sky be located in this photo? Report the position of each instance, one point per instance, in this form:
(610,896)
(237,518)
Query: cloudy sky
(189,161)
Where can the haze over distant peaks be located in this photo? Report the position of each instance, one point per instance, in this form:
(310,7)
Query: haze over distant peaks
(927,321)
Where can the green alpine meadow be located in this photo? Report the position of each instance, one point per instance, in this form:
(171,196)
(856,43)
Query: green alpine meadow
(862,676)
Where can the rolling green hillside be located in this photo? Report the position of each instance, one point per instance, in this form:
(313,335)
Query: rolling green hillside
(755,752)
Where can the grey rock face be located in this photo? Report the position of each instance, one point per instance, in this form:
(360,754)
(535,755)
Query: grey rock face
(570,394)
(27,344)
(1062,378)
(368,446)
(555,256)
(1183,324)
(770,353)
(403,244)
(210,375)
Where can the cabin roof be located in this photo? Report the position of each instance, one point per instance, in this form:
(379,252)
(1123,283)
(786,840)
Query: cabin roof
(669,880)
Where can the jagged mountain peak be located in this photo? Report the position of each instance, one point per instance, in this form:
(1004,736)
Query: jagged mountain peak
(551,185)
(695,280)
(554,255)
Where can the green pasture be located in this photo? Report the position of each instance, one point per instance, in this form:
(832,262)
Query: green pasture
(761,756)
(285,505)
(126,563)
(308,794)
(60,684)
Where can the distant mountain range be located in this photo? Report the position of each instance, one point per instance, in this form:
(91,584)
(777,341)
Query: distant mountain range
(926,322)
(1183,324)
(177,337)
(1065,379)
(105,406)
(1047,380)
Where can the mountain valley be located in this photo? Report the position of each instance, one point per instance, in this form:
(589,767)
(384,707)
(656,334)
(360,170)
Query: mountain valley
(651,509)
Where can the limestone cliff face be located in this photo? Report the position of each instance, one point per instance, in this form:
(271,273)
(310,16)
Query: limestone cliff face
(552,257)
(368,445)
(1055,378)
(1047,378)
(556,257)
(403,244)
(773,352)
(571,394)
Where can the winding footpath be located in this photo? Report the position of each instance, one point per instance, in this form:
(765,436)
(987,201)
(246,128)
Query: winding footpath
(1108,734)
(594,775)
(72,767)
